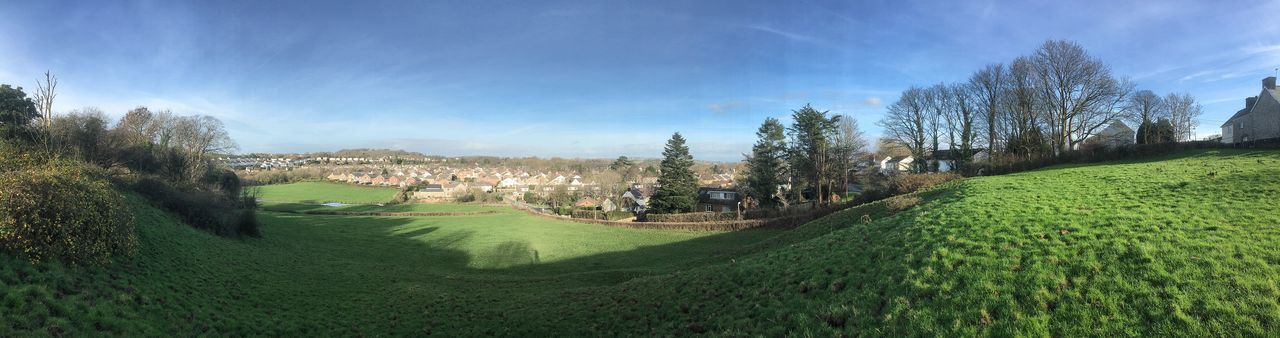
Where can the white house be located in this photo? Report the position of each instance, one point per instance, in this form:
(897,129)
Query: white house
(947,163)
(892,165)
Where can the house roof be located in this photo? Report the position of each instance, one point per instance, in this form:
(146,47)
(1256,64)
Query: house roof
(431,188)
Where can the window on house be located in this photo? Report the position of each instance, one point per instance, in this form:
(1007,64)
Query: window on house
(708,208)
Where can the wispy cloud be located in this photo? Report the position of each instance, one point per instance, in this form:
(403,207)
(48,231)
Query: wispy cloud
(725,108)
(872,101)
(789,35)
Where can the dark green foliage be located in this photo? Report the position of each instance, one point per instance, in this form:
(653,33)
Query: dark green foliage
(222,212)
(678,190)
(1029,144)
(63,210)
(1160,131)
(766,165)
(811,134)
(692,217)
(16,113)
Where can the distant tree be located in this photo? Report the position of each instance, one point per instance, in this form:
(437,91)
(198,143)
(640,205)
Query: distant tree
(850,145)
(1080,94)
(905,123)
(989,89)
(624,167)
(16,113)
(767,164)
(1183,111)
(1160,131)
(811,135)
(961,116)
(1145,107)
(678,185)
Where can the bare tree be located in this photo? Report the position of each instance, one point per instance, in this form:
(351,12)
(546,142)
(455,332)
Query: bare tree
(1182,111)
(1145,107)
(45,93)
(1022,131)
(988,89)
(850,144)
(961,118)
(936,103)
(1078,90)
(905,122)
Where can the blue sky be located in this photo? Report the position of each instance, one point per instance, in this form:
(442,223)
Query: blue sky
(590,78)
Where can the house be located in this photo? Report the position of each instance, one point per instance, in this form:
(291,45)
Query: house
(636,199)
(587,202)
(608,205)
(1260,118)
(509,182)
(431,192)
(896,164)
(394,180)
(378,180)
(1114,136)
(718,200)
(945,159)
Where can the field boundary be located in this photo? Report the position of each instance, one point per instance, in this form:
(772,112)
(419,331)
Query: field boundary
(785,222)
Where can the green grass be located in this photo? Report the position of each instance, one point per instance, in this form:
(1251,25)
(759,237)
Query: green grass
(1185,245)
(324,192)
(416,207)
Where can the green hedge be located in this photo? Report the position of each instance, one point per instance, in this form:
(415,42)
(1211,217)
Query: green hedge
(64,210)
(692,217)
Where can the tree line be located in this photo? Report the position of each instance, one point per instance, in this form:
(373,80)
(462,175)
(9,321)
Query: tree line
(158,154)
(1042,104)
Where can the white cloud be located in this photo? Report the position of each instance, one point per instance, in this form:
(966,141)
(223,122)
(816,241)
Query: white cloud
(872,101)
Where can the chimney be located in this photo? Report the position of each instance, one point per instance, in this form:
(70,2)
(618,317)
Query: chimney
(1248,102)
(1269,82)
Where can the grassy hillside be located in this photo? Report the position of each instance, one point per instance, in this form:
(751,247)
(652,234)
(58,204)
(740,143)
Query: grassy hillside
(1183,245)
(324,192)
(336,275)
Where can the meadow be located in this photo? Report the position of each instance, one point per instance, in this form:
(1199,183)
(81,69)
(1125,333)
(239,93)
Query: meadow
(325,192)
(1183,245)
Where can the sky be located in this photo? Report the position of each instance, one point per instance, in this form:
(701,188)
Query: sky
(592,79)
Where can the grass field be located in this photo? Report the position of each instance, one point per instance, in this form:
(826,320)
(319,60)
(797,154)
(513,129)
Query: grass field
(416,207)
(1186,245)
(324,192)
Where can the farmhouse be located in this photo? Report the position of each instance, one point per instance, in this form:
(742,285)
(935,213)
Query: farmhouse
(718,200)
(1260,118)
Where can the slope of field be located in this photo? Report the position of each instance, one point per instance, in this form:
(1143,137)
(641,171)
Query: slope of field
(336,275)
(1180,246)
(324,192)
(1175,246)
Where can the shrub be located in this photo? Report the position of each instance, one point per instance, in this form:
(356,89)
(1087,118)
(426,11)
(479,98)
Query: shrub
(220,212)
(900,203)
(692,217)
(64,210)
(909,183)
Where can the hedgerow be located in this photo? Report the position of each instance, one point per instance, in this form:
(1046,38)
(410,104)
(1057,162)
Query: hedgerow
(63,210)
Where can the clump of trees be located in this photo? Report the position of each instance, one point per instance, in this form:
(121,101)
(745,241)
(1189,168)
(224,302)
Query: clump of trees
(1042,104)
(160,155)
(814,154)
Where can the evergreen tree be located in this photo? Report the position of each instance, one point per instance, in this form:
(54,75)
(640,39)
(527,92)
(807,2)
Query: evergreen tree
(767,163)
(1160,131)
(16,112)
(811,146)
(678,185)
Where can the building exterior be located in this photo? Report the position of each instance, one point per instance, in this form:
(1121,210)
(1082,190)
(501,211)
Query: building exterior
(1260,118)
(718,200)
(945,162)
(1114,136)
(894,165)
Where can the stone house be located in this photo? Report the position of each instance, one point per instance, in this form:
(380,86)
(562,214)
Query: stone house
(1260,118)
